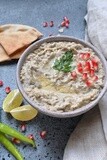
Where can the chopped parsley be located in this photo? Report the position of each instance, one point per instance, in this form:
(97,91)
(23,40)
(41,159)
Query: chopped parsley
(64,63)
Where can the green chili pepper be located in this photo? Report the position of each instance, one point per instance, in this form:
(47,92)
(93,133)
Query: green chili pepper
(14,133)
(11,148)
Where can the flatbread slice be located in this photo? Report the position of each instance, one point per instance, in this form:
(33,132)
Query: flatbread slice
(15,36)
(18,53)
(3,55)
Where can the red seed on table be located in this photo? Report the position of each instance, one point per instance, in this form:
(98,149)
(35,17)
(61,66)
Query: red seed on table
(66,20)
(63,24)
(43,134)
(15,140)
(66,25)
(1,83)
(51,24)
(7,90)
(30,136)
(45,24)
(23,127)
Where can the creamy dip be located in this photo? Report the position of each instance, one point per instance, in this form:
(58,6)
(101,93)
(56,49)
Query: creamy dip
(62,76)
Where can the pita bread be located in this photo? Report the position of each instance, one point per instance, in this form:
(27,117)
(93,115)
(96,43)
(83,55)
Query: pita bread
(18,53)
(3,55)
(13,37)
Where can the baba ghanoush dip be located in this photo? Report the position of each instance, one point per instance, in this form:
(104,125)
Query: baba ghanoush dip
(62,76)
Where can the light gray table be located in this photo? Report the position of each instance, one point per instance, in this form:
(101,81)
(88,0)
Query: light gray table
(34,13)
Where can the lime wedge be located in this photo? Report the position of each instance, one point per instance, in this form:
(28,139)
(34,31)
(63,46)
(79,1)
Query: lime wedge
(13,100)
(24,113)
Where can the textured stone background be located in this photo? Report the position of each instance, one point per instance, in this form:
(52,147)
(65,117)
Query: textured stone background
(34,13)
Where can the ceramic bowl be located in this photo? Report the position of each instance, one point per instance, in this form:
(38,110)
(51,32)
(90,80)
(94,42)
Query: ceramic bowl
(78,111)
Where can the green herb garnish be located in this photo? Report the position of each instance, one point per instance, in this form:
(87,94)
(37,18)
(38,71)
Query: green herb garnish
(64,63)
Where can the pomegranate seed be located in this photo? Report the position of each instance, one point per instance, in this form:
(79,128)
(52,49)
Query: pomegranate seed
(1,83)
(87,64)
(86,56)
(89,83)
(94,60)
(84,76)
(95,78)
(45,24)
(7,90)
(63,24)
(79,64)
(80,69)
(51,24)
(86,69)
(23,127)
(91,72)
(95,66)
(43,134)
(81,55)
(74,75)
(66,25)
(91,64)
(30,136)
(66,20)
(15,140)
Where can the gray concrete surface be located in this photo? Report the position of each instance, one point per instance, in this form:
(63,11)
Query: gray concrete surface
(34,13)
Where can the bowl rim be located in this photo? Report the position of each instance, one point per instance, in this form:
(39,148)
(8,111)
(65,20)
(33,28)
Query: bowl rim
(77,111)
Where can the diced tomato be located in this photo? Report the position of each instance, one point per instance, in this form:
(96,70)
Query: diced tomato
(89,83)
(95,78)
(84,76)
(91,72)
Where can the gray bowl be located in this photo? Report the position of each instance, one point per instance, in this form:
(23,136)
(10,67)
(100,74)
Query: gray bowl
(78,111)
